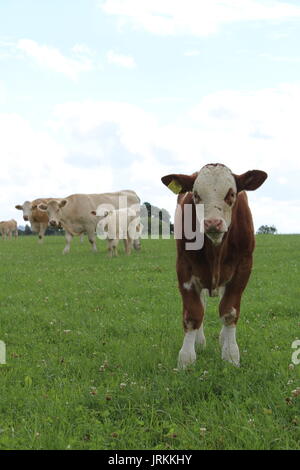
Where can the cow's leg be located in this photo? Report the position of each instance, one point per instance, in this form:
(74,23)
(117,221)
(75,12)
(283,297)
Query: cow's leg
(230,349)
(193,313)
(229,310)
(109,248)
(42,230)
(200,338)
(68,237)
(127,245)
(137,244)
(92,239)
(81,238)
(114,247)
(229,313)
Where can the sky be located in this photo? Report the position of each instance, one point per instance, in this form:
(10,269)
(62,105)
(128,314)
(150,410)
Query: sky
(103,95)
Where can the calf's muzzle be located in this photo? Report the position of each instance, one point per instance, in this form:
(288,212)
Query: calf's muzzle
(214,225)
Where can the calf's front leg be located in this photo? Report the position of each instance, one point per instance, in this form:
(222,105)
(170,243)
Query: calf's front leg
(229,314)
(193,313)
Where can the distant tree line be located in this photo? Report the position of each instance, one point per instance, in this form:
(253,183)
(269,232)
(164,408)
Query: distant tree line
(155,218)
(267,229)
(149,215)
(50,231)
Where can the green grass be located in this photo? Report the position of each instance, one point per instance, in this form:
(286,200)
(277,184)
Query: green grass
(92,346)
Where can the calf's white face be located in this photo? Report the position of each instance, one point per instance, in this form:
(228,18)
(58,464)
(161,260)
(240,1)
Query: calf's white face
(53,209)
(215,188)
(27,210)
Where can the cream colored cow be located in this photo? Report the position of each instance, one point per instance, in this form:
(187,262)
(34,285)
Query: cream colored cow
(8,228)
(74,212)
(119,224)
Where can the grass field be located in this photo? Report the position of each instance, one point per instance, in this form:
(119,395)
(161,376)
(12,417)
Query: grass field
(92,346)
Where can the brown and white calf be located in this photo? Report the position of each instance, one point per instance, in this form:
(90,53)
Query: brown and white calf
(222,266)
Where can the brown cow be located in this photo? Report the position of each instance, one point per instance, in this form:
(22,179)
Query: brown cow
(38,219)
(222,265)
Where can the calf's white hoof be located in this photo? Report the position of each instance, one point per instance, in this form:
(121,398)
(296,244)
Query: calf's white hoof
(230,349)
(231,354)
(200,340)
(185,358)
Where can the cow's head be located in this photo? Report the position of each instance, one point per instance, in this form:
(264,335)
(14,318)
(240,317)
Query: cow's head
(216,187)
(26,208)
(54,210)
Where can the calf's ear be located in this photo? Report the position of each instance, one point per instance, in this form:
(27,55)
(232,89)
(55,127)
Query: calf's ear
(42,207)
(179,183)
(20,208)
(63,203)
(250,180)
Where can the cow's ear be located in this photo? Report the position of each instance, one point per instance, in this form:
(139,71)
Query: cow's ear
(250,180)
(42,207)
(179,183)
(62,203)
(20,208)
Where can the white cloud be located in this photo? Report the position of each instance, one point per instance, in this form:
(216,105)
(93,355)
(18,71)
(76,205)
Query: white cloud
(3,92)
(94,146)
(192,53)
(120,134)
(274,58)
(51,58)
(242,130)
(120,59)
(194,17)
(271,211)
(33,164)
(258,128)
(82,49)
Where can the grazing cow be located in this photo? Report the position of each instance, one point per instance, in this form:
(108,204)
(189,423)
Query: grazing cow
(74,212)
(8,228)
(38,219)
(119,224)
(222,266)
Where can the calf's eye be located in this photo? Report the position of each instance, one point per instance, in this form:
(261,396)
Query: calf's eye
(230,197)
(197,198)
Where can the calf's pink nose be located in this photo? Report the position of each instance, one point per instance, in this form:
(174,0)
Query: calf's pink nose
(213,225)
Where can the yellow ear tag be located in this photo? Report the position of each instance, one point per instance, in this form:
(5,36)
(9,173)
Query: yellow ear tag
(175,186)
